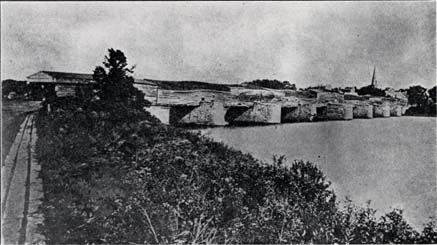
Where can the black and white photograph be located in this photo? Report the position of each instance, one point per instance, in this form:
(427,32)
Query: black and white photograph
(240,122)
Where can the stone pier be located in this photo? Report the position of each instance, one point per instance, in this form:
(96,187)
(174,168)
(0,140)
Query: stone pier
(160,112)
(334,111)
(395,110)
(381,110)
(257,113)
(348,112)
(363,110)
(298,113)
(206,113)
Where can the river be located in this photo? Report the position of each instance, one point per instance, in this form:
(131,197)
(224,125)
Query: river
(391,161)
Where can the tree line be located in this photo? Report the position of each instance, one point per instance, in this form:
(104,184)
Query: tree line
(272,84)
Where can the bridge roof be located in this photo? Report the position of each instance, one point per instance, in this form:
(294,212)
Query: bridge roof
(69,75)
(61,77)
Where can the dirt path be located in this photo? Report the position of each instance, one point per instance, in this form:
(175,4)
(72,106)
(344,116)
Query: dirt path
(13,114)
(21,189)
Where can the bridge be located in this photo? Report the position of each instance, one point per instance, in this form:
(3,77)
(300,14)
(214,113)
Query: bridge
(240,105)
(217,108)
(217,113)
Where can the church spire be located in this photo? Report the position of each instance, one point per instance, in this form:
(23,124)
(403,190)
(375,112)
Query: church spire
(374,82)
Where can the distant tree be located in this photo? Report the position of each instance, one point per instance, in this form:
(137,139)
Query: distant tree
(432,94)
(288,85)
(273,84)
(417,96)
(10,85)
(115,83)
(370,90)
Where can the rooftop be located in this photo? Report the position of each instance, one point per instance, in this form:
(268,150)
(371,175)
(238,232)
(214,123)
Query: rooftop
(44,75)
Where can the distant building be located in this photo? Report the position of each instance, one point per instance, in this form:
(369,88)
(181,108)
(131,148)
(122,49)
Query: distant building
(390,92)
(349,91)
(54,77)
(62,83)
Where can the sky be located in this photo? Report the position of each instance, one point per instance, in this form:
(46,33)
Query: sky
(306,43)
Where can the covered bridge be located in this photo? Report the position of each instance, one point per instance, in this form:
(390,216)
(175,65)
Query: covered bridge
(62,83)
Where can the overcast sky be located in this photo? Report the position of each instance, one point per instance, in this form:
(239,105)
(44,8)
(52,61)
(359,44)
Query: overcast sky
(306,43)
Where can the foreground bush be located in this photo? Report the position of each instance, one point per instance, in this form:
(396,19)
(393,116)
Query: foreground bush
(113,174)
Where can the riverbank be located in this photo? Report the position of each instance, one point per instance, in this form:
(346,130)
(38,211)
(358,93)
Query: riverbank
(112,174)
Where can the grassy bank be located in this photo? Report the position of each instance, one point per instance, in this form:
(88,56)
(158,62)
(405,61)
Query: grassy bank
(112,174)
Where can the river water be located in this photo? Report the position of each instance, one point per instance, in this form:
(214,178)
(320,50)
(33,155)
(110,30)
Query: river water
(391,161)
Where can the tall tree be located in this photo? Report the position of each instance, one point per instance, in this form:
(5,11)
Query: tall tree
(114,80)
